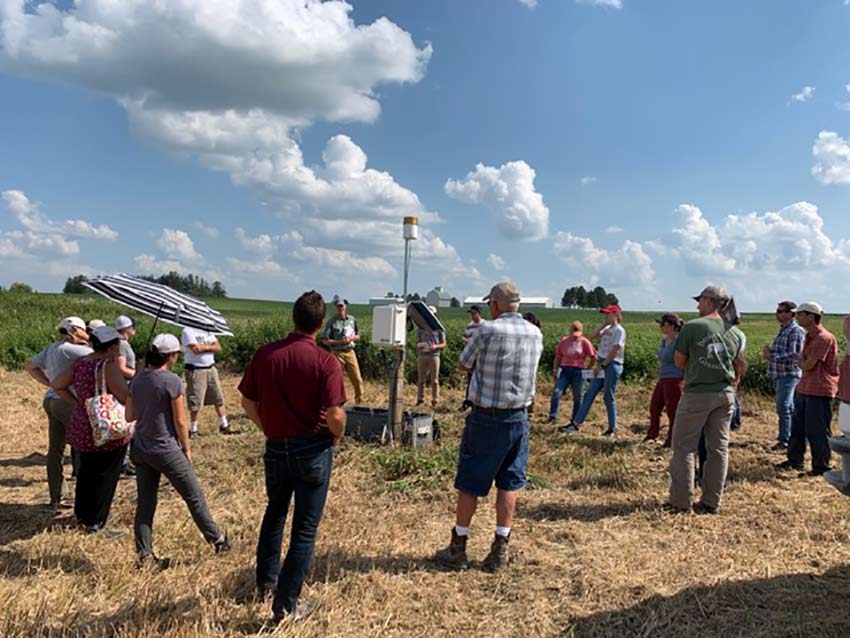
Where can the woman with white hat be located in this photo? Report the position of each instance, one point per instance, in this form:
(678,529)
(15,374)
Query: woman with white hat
(161,447)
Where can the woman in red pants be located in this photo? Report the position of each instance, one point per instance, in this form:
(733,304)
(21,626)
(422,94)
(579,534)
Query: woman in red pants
(668,389)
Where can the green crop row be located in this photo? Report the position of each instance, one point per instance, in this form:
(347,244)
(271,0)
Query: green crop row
(28,323)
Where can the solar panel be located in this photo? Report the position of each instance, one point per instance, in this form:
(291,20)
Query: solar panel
(422,317)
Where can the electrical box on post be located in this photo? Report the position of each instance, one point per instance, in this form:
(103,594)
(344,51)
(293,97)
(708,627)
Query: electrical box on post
(388,326)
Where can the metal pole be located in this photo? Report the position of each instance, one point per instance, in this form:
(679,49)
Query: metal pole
(397,384)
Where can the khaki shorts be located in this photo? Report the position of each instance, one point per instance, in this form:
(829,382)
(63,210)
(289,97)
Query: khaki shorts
(203,388)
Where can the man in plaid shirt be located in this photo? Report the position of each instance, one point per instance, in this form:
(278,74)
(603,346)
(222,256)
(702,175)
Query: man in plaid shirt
(783,368)
(503,359)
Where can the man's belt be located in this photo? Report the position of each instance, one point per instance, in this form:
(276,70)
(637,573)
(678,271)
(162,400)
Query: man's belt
(189,366)
(478,409)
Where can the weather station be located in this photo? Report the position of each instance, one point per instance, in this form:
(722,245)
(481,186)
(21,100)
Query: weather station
(390,325)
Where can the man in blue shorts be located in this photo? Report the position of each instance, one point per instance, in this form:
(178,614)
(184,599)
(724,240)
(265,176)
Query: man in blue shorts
(503,359)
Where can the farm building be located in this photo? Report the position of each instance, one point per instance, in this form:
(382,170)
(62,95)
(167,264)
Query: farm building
(438,298)
(384,301)
(525,303)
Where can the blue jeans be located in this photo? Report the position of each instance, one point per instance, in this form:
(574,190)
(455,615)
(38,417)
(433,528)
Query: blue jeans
(299,467)
(785,387)
(608,386)
(568,376)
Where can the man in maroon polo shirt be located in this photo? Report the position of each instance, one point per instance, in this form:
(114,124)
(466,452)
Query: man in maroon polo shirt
(293,390)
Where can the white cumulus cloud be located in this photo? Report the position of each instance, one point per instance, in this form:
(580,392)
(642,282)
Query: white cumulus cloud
(831,153)
(509,192)
(531,4)
(611,4)
(261,72)
(613,230)
(177,244)
(496,262)
(804,95)
(629,265)
(29,215)
(587,180)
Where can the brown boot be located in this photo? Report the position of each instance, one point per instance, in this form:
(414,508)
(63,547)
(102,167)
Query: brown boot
(497,559)
(453,556)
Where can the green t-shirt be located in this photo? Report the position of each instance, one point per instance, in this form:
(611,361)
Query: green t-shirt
(711,347)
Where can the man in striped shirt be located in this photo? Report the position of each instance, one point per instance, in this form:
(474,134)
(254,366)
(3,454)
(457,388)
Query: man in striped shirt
(503,358)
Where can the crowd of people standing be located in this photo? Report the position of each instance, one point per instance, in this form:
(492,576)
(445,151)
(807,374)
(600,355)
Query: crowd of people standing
(293,390)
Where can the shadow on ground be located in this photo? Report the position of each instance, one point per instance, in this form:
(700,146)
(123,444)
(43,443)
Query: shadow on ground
(20,521)
(30,460)
(587,513)
(785,606)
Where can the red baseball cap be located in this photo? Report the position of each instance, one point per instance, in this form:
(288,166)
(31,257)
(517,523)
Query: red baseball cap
(610,309)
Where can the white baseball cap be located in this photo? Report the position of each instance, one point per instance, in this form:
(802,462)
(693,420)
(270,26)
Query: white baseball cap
(95,323)
(165,343)
(69,323)
(812,307)
(123,321)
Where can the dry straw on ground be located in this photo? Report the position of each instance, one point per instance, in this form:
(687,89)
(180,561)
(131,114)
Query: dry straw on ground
(593,553)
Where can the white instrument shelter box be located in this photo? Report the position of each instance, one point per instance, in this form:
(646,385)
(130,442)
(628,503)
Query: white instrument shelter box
(389,325)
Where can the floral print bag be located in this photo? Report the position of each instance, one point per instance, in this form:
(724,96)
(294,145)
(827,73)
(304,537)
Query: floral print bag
(105,412)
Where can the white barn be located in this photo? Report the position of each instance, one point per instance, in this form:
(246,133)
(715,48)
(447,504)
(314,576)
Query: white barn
(438,298)
(525,302)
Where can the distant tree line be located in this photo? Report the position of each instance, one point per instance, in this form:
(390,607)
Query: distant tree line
(18,286)
(579,297)
(187,284)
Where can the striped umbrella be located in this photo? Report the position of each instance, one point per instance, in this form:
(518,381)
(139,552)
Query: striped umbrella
(159,301)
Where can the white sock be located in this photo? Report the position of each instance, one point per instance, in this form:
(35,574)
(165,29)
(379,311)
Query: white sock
(503,531)
(461,531)
(222,422)
(193,427)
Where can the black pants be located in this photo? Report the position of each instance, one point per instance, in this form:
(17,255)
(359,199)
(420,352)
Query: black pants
(96,482)
(811,421)
(299,468)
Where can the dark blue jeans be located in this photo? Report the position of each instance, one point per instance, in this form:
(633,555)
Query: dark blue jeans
(567,376)
(811,421)
(300,468)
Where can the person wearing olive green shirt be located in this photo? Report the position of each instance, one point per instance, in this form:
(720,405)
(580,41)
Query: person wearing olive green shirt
(340,336)
(711,352)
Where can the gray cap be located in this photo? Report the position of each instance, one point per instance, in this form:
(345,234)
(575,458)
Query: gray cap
(713,292)
(105,334)
(339,301)
(812,307)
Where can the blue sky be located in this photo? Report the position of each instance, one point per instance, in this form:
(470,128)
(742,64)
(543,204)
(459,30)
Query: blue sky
(650,148)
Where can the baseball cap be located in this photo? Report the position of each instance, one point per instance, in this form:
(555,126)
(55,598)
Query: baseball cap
(503,292)
(475,308)
(94,323)
(610,309)
(105,334)
(339,301)
(812,307)
(123,321)
(165,343)
(69,323)
(713,292)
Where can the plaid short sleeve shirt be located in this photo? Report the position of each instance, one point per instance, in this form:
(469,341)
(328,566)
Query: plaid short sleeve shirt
(503,356)
(785,352)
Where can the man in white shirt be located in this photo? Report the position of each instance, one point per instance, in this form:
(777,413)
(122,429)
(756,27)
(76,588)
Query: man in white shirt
(44,368)
(203,386)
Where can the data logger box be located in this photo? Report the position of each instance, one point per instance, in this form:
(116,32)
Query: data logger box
(389,326)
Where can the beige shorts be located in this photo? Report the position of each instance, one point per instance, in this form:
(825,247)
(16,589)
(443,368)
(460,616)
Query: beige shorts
(203,387)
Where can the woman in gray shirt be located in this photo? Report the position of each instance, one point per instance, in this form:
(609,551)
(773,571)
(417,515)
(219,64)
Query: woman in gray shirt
(161,446)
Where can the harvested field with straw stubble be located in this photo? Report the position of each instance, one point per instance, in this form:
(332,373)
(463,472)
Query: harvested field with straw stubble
(593,554)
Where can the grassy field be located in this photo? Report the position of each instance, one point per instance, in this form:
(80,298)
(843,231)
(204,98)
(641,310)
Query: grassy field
(593,553)
(28,321)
